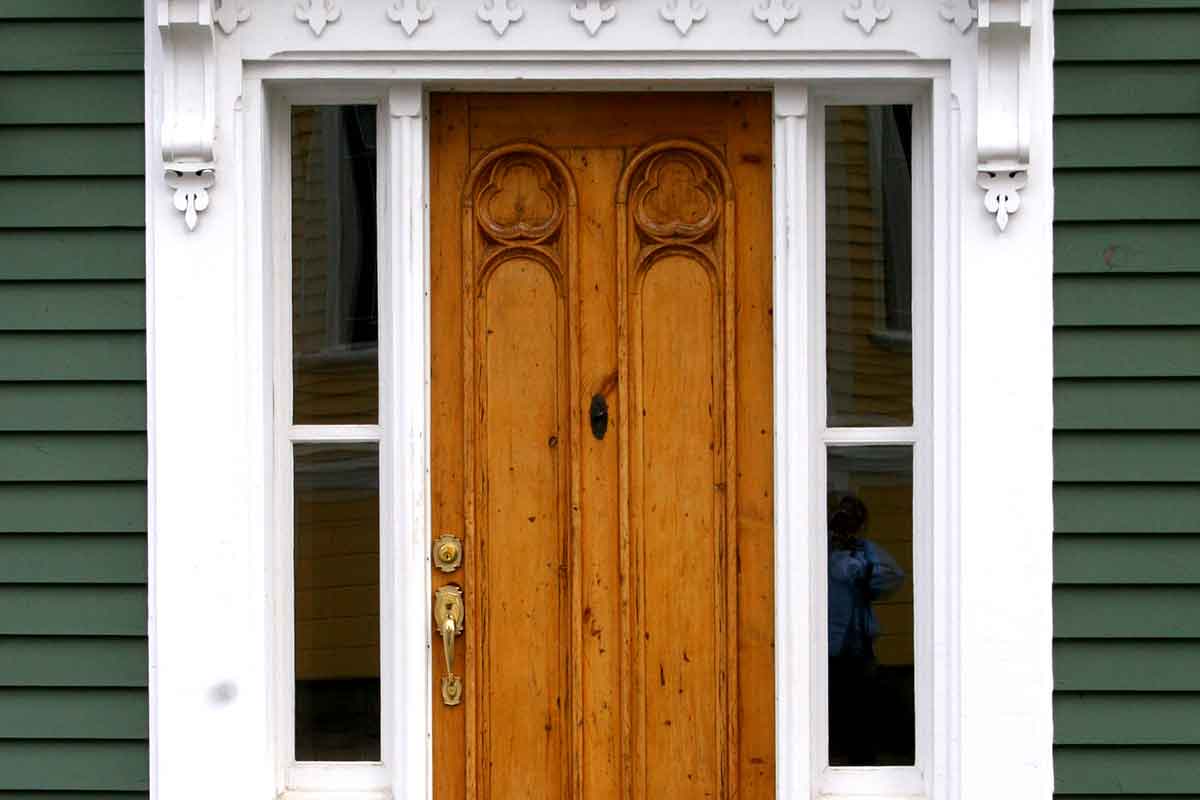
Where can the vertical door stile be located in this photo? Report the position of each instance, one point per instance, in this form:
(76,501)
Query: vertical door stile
(794,469)
(728,565)
(476,594)
(577,407)
(628,618)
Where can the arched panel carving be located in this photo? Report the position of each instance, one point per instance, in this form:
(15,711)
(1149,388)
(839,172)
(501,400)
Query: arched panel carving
(675,209)
(520,364)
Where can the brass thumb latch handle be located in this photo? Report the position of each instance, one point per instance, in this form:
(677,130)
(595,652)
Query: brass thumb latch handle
(449,613)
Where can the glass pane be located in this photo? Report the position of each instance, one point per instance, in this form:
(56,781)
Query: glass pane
(337,602)
(335,292)
(868,264)
(872,711)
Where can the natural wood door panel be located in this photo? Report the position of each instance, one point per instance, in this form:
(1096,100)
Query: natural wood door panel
(610,249)
(674,204)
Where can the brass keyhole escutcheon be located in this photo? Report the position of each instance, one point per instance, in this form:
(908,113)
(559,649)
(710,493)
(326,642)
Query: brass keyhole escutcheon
(448,552)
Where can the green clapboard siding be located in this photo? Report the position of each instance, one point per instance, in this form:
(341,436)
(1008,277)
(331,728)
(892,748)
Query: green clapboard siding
(1127,399)
(74,718)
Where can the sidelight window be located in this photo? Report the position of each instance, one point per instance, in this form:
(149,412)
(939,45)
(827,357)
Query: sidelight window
(329,435)
(872,664)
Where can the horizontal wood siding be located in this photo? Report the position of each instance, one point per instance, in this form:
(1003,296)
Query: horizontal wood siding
(73,656)
(1127,399)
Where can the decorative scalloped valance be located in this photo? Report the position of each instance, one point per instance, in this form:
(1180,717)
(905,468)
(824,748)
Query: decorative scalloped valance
(188,30)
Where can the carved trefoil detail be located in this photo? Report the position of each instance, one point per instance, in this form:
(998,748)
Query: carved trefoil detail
(593,13)
(191,193)
(229,14)
(776,13)
(1002,196)
(318,13)
(409,14)
(500,14)
(867,13)
(960,12)
(684,13)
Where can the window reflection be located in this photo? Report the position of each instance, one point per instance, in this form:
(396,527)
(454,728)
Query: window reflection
(335,294)
(337,602)
(872,718)
(868,265)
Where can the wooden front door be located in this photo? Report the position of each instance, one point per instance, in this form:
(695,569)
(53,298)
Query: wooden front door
(602,444)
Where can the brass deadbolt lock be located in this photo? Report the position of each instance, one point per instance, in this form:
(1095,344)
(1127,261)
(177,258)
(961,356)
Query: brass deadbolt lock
(448,552)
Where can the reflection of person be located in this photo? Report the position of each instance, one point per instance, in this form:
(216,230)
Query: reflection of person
(860,572)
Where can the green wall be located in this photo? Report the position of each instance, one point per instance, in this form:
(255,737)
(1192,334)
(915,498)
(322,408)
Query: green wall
(1127,398)
(73,712)
(73,716)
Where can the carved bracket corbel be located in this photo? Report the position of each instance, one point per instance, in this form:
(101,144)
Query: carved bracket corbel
(1004,104)
(189,100)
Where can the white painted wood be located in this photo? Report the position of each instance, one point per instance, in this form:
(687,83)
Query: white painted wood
(500,14)
(593,13)
(925,438)
(229,14)
(318,13)
(319,780)
(867,13)
(408,719)
(861,436)
(188,116)
(216,666)
(410,14)
(684,13)
(795,623)
(1003,99)
(333,433)
(776,13)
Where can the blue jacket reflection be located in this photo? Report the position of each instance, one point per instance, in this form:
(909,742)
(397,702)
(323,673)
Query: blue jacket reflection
(858,577)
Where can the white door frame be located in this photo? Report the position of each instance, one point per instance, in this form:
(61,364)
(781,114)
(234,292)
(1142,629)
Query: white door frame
(210,355)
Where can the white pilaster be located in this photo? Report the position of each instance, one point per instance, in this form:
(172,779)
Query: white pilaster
(795,760)
(406,465)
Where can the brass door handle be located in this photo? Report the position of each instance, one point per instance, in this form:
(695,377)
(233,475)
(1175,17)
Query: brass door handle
(449,613)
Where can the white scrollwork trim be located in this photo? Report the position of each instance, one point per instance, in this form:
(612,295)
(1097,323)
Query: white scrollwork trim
(229,14)
(189,101)
(1002,196)
(318,13)
(409,14)
(960,12)
(1004,114)
(593,13)
(867,13)
(776,13)
(500,14)
(684,13)
(191,192)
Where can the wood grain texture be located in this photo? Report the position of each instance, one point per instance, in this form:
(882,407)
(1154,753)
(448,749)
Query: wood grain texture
(591,246)
(675,207)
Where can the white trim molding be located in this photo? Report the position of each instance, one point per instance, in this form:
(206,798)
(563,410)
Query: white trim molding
(1004,108)
(798,762)
(217,111)
(189,102)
